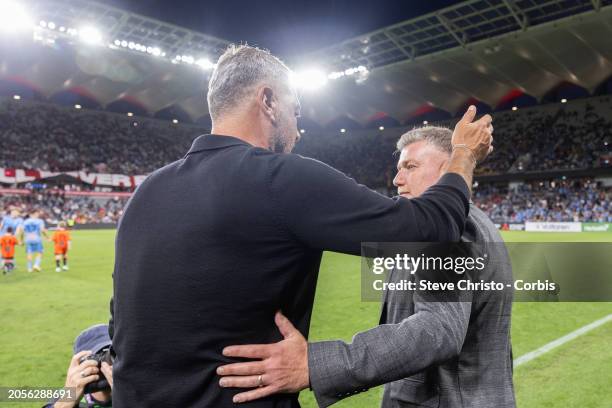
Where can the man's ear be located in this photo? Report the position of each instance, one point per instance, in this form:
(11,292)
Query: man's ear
(268,102)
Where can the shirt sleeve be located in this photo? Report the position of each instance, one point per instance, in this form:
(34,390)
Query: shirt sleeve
(325,209)
(390,352)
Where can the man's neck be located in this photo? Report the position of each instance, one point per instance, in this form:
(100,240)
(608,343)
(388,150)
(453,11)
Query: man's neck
(236,128)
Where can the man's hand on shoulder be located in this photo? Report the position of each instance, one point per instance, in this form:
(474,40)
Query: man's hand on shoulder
(278,368)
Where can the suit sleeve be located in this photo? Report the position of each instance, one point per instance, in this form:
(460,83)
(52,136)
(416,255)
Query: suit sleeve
(389,352)
(324,209)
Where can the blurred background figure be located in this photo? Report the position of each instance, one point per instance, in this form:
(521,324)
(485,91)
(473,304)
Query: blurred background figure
(61,239)
(32,231)
(7,245)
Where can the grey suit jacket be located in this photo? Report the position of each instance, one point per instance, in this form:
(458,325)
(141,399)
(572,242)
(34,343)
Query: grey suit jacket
(429,354)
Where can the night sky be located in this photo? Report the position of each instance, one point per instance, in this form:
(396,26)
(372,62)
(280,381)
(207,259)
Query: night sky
(287,28)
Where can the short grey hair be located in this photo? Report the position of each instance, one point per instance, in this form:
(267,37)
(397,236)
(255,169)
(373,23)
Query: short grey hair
(438,136)
(239,70)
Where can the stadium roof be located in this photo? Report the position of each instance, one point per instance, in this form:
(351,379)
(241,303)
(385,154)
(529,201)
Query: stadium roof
(480,50)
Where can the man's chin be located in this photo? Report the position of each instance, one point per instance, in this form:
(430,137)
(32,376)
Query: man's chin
(406,195)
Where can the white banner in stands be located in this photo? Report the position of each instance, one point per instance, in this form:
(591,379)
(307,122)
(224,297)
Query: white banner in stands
(553,226)
(16,176)
(516,227)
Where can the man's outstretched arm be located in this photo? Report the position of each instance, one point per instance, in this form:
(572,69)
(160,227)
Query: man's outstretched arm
(335,369)
(324,209)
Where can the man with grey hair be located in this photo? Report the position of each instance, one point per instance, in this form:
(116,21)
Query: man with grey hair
(239,75)
(210,247)
(431,351)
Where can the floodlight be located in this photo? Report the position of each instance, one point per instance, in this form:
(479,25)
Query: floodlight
(188,59)
(13,17)
(205,63)
(309,79)
(90,35)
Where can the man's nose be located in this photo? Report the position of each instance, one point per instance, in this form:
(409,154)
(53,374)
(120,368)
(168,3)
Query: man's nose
(398,180)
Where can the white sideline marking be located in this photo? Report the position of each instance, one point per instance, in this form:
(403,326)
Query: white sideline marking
(525,358)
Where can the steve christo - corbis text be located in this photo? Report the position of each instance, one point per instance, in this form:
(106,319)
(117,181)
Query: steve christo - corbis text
(458,265)
(463,284)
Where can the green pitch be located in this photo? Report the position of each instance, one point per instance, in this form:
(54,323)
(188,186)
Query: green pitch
(41,313)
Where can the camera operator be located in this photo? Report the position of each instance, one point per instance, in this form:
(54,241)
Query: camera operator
(90,371)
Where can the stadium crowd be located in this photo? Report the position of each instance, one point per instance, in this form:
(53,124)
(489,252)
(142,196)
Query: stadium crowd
(549,137)
(56,206)
(49,137)
(563,136)
(573,136)
(581,200)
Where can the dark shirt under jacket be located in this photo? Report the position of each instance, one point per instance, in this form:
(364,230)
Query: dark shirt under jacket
(211,246)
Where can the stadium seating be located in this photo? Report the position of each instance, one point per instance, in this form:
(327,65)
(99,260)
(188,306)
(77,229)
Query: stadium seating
(45,136)
(50,137)
(576,135)
(580,200)
(56,206)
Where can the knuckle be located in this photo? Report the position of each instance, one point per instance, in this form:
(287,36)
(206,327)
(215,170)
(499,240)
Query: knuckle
(269,364)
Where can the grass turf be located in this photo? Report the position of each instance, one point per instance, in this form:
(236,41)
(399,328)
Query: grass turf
(41,313)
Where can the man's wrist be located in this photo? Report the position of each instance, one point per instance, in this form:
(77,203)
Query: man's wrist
(464,154)
(465,148)
(462,163)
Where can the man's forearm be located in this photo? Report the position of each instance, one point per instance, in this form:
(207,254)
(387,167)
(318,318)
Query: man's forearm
(388,352)
(462,162)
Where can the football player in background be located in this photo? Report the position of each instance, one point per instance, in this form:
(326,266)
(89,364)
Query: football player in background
(61,238)
(7,246)
(11,220)
(31,233)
